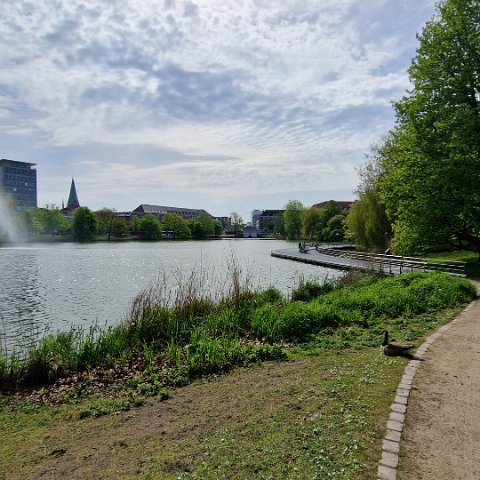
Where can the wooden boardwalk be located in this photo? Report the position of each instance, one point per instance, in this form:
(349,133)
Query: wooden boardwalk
(314,258)
(349,260)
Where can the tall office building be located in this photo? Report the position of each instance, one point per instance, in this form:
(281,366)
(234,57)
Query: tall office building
(255,216)
(19,180)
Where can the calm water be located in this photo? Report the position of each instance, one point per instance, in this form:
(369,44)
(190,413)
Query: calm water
(51,287)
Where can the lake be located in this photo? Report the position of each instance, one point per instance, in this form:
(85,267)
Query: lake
(52,287)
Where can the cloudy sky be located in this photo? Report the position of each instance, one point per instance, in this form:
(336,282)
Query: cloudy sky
(217,104)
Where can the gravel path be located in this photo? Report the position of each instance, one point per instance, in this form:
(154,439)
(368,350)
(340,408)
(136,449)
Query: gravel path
(441,435)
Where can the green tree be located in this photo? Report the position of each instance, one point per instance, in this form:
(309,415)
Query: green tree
(432,158)
(135,225)
(292,218)
(84,225)
(49,220)
(278,227)
(120,227)
(236,222)
(105,221)
(217,228)
(203,226)
(177,225)
(150,228)
(328,230)
(367,221)
(27,220)
(311,218)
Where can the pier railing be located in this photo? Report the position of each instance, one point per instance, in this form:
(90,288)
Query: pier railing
(395,263)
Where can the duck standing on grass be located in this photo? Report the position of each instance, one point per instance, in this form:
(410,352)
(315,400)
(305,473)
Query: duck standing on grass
(392,349)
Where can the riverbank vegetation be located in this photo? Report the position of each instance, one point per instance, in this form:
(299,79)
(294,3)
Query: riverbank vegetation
(170,341)
(321,414)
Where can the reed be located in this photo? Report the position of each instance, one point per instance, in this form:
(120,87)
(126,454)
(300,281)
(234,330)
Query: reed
(172,337)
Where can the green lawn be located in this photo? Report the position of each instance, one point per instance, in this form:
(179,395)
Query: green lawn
(319,415)
(472,267)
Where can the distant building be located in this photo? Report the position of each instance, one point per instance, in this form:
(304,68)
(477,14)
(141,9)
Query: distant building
(225,221)
(255,216)
(267,218)
(72,202)
(250,232)
(19,181)
(344,205)
(159,211)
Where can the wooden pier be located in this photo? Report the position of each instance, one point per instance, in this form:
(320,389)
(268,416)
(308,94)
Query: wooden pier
(349,259)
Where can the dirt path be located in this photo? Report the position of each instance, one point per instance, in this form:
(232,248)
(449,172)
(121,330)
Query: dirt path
(441,438)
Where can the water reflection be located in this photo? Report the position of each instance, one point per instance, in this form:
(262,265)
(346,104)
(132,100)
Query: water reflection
(57,286)
(22,297)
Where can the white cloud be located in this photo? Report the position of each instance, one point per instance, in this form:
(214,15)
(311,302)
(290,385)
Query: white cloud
(284,95)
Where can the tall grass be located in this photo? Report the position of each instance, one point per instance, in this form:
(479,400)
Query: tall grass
(195,334)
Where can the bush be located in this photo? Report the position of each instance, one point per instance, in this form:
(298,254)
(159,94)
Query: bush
(296,322)
(264,322)
(308,291)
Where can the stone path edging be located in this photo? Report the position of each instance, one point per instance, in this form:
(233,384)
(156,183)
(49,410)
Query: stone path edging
(387,468)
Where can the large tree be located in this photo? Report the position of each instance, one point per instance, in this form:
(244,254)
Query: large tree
(236,222)
(105,221)
(293,218)
(49,220)
(329,227)
(367,220)
(150,228)
(203,226)
(84,224)
(177,225)
(431,159)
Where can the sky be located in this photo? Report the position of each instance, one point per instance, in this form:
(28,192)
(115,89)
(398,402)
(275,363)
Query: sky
(225,105)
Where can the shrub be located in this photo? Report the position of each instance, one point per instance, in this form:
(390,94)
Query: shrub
(296,322)
(264,322)
(308,291)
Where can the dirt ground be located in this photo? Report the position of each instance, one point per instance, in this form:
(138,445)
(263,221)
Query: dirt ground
(441,439)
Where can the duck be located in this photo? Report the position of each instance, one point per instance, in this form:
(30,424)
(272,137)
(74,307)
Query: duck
(393,348)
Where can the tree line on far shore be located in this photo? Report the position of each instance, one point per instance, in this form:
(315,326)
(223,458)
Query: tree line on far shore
(87,225)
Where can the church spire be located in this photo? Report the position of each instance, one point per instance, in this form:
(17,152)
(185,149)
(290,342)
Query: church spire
(72,202)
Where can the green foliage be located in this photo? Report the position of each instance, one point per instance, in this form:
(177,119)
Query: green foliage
(84,225)
(49,220)
(107,406)
(203,227)
(430,160)
(135,224)
(324,224)
(150,228)
(311,218)
(330,224)
(308,291)
(176,225)
(109,224)
(217,228)
(368,223)
(292,218)
(236,222)
(363,304)
(264,322)
(196,336)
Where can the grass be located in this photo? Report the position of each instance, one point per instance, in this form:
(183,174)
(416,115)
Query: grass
(169,344)
(319,415)
(472,268)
